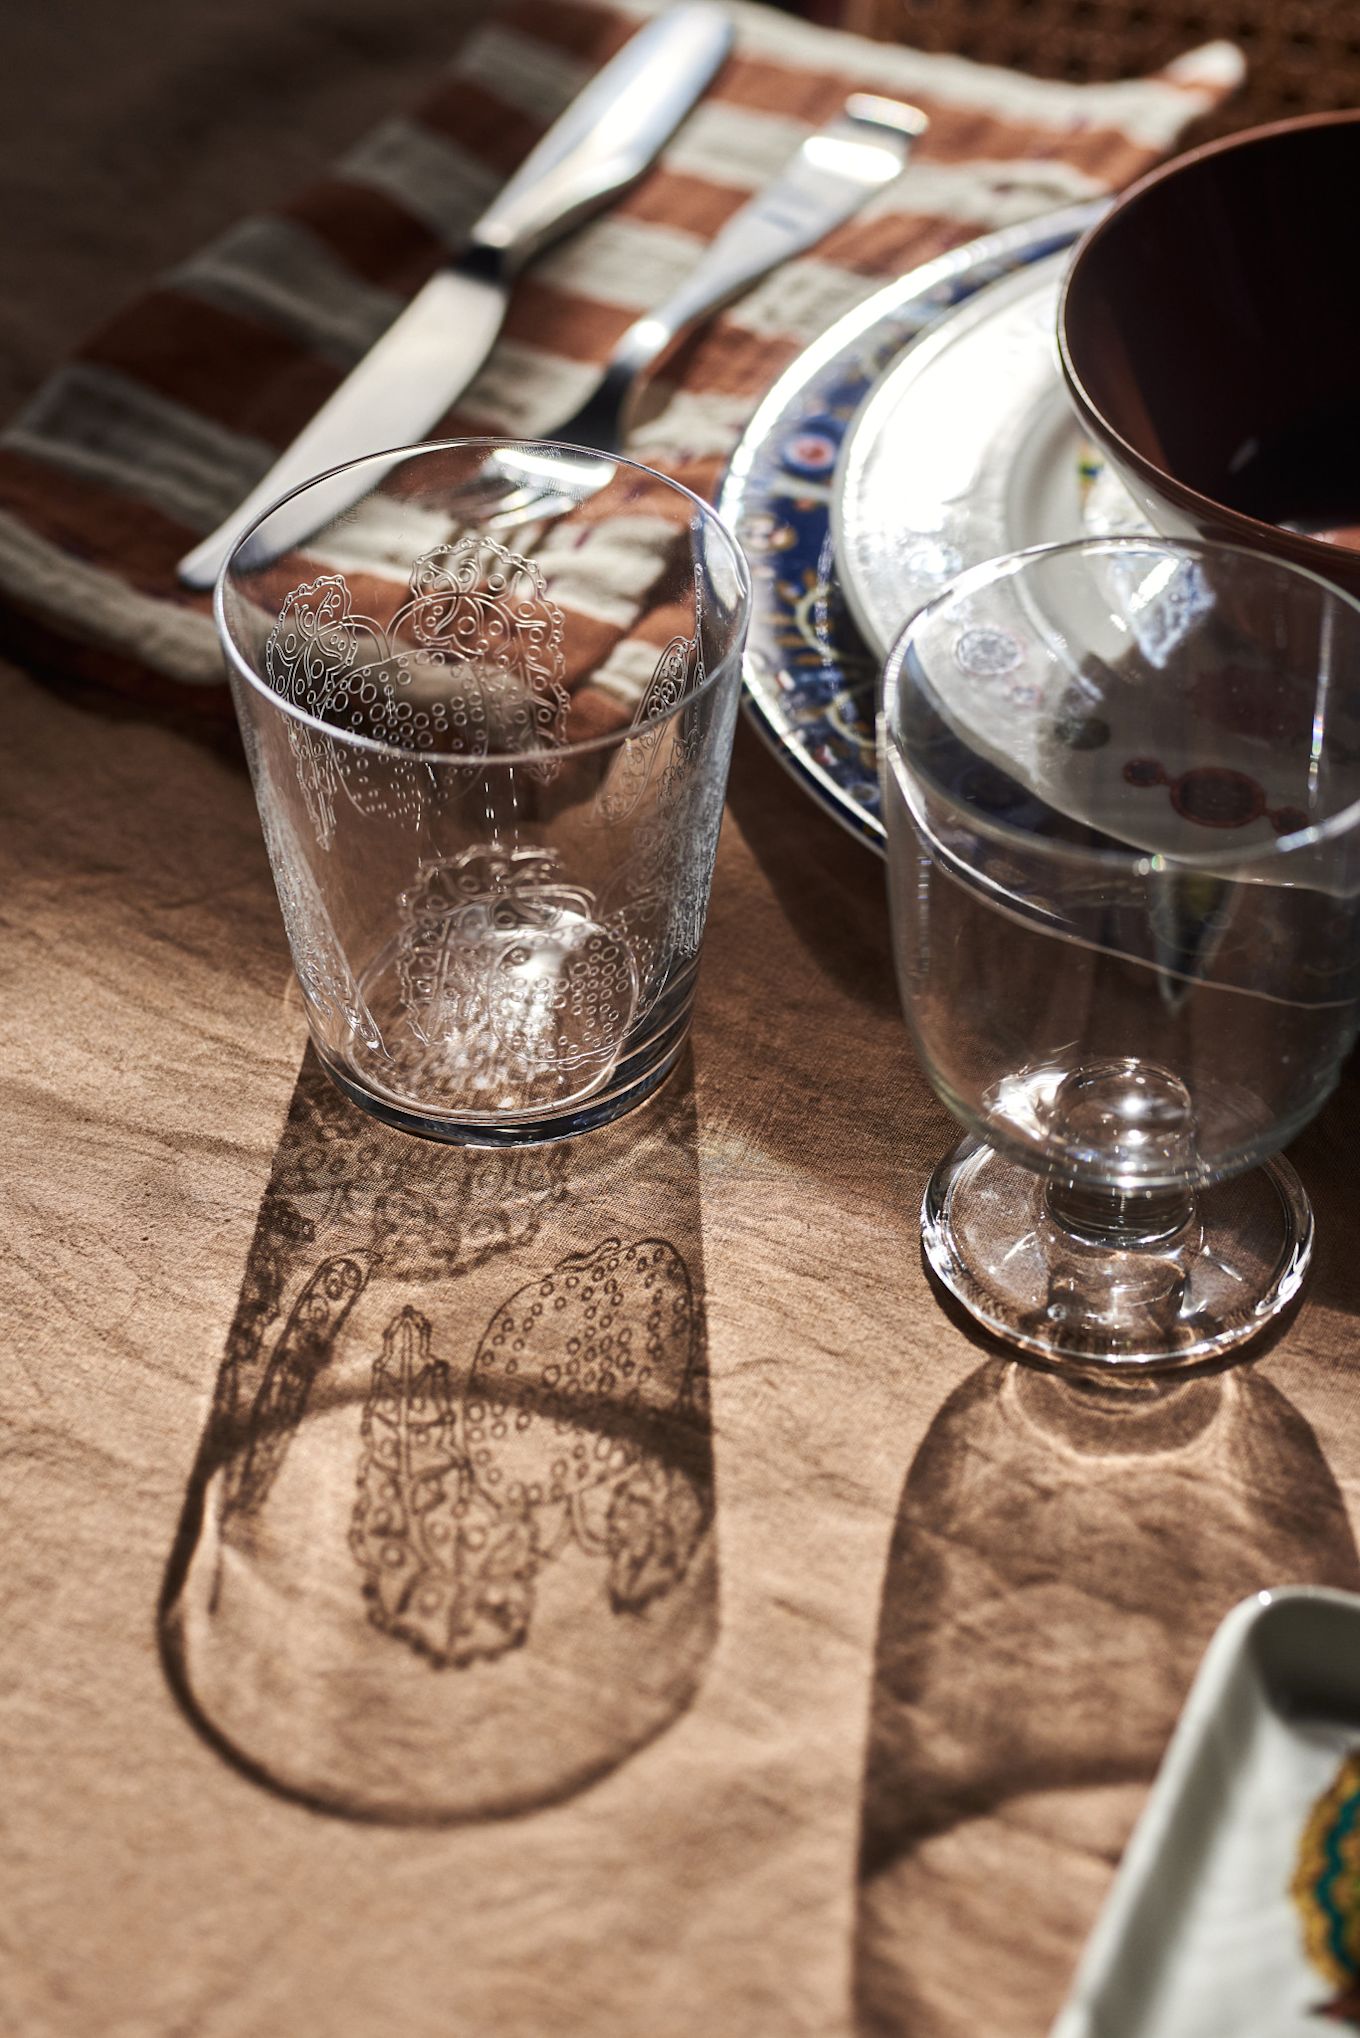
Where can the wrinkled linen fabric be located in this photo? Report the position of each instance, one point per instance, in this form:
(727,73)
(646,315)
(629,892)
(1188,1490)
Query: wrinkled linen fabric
(810,1684)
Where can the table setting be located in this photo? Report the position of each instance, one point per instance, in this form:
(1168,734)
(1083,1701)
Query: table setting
(589,689)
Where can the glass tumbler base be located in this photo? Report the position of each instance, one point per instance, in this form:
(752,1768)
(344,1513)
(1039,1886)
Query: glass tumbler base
(568,1121)
(992,1240)
(631,1085)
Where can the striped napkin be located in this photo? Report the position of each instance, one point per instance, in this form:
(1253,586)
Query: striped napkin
(148,436)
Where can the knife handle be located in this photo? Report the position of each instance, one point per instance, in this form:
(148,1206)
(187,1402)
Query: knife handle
(610,132)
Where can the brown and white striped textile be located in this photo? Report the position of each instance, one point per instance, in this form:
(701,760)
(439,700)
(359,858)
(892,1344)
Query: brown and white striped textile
(170,411)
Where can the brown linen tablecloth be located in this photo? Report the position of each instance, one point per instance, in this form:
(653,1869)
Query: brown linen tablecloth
(832,1704)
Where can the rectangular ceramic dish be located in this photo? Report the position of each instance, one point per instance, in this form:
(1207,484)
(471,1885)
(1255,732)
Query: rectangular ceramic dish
(1222,1922)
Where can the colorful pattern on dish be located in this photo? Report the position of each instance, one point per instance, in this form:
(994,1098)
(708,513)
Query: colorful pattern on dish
(811,683)
(1326,1891)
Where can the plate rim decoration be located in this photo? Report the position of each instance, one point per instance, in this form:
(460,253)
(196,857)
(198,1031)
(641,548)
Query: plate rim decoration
(795,688)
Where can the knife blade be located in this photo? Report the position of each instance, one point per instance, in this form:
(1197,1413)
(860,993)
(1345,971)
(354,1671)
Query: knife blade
(407,380)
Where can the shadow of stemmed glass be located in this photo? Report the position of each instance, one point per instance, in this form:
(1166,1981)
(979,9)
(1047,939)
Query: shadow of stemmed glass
(1061,1555)
(448,1550)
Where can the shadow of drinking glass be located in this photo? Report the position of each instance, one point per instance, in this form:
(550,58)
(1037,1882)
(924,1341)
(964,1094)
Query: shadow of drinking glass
(1062,1554)
(448,1549)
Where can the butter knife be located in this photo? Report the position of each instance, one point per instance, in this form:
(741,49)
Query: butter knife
(407,380)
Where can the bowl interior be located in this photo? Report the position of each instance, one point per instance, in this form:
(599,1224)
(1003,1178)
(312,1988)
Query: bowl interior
(1210,324)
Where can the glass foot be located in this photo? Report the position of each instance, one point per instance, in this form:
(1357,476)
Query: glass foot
(991,1237)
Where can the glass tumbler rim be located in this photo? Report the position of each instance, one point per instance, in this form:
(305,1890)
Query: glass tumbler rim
(488,443)
(1241,858)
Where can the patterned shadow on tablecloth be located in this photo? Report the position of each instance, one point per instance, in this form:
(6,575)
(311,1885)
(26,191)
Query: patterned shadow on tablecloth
(1061,1557)
(448,1551)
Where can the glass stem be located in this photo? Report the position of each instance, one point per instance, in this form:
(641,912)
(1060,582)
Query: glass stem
(1124,1116)
(1123,1219)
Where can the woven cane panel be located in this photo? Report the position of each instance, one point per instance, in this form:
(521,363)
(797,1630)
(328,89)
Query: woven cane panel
(1303,56)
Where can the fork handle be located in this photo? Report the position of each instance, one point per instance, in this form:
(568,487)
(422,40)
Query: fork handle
(863,149)
(858,152)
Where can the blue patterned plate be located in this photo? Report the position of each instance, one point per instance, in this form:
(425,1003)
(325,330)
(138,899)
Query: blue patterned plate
(811,682)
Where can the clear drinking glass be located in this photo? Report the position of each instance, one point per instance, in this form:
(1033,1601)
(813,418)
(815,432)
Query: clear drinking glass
(487,693)
(1120,784)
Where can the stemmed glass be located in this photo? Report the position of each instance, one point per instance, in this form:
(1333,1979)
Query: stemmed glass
(1120,784)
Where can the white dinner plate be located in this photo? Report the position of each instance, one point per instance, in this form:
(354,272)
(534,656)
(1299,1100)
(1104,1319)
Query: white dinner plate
(967,448)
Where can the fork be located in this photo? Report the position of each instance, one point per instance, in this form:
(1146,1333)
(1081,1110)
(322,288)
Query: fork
(830,176)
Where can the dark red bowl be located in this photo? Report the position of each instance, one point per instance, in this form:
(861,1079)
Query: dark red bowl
(1210,336)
